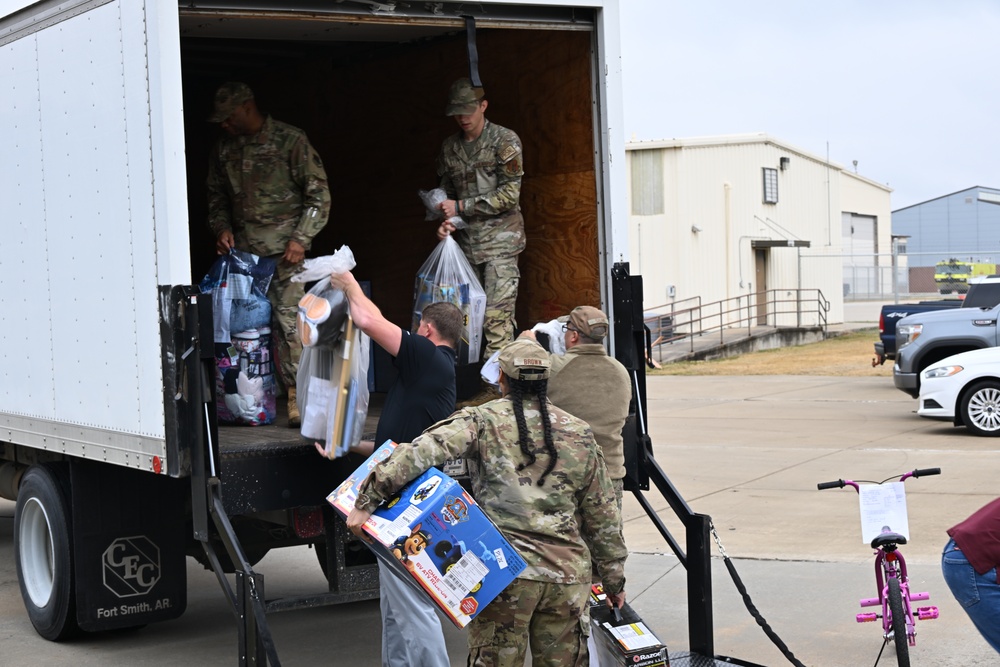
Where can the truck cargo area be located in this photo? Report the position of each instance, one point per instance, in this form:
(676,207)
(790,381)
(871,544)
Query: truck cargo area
(369,89)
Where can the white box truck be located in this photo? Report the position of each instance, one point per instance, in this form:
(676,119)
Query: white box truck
(107,437)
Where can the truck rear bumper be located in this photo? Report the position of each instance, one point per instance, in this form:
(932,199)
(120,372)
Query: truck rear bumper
(880,355)
(906,382)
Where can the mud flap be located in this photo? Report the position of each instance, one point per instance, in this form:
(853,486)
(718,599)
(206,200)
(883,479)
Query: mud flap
(128,546)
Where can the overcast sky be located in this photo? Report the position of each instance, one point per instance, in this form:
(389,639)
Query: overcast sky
(908,88)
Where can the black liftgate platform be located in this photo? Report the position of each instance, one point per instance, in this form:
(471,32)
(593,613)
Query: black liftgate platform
(642,473)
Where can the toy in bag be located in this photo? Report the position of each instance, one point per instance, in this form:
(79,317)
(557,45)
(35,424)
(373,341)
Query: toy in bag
(333,370)
(448,276)
(245,388)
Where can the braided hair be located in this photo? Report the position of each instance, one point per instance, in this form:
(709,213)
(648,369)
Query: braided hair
(518,389)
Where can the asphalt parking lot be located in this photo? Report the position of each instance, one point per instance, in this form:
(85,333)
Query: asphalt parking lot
(747,451)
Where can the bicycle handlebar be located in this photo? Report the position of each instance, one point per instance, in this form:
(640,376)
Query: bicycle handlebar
(840,483)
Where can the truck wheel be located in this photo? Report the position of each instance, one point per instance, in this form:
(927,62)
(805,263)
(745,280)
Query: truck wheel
(43,552)
(981,408)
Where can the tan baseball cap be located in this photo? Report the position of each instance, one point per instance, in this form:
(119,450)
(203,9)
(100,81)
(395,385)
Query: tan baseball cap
(228,97)
(589,321)
(463,98)
(524,360)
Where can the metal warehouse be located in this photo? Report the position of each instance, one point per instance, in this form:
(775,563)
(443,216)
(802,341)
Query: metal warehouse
(754,223)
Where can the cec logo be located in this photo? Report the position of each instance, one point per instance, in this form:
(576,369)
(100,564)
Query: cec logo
(131,566)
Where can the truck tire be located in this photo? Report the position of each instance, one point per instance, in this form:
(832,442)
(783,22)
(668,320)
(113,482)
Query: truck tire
(981,408)
(43,552)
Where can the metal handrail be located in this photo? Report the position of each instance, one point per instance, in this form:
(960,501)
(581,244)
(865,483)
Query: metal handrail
(683,322)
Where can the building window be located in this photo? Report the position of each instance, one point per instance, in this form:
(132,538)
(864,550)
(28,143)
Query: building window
(647,181)
(770,186)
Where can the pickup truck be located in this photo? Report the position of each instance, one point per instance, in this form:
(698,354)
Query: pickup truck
(885,346)
(925,338)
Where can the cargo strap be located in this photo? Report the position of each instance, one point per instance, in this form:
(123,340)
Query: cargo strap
(775,639)
(470,41)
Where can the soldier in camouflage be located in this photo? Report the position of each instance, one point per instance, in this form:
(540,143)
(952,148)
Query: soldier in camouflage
(480,168)
(267,194)
(538,473)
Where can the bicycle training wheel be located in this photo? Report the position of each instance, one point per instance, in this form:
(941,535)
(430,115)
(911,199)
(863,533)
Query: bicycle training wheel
(898,623)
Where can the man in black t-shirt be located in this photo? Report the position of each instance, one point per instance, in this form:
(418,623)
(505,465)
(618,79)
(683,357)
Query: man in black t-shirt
(423,394)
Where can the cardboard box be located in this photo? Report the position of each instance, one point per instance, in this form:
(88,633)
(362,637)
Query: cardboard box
(625,642)
(435,535)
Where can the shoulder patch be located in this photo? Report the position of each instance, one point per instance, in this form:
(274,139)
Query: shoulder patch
(508,152)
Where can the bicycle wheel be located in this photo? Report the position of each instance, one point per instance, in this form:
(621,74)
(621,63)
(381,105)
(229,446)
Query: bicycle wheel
(898,623)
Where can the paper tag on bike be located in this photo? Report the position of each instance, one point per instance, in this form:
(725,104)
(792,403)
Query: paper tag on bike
(883,509)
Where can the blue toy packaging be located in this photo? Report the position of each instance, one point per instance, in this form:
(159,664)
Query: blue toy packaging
(435,535)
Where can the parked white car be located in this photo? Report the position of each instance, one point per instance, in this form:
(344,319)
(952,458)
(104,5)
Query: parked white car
(964,389)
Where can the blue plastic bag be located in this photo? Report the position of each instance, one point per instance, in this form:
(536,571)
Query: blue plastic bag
(238,283)
(245,385)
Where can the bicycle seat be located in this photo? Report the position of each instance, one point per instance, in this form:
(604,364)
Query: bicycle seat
(886,539)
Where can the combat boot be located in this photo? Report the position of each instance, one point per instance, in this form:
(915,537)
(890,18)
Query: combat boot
(488,392)
(294,419)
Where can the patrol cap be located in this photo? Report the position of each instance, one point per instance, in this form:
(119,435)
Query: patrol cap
(463,98)
(524,360)
(589,321)
(228,97)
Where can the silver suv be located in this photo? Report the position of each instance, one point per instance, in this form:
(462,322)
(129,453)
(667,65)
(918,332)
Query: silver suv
(925,338)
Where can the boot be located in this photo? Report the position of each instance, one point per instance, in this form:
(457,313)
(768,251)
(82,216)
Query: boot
(294,419)
(487,392)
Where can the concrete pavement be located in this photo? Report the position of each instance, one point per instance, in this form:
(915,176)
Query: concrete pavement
(747,451)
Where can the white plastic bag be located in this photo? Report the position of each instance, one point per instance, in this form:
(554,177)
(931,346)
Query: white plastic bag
(448,276)
(318,268)
(554,330)
(490,371)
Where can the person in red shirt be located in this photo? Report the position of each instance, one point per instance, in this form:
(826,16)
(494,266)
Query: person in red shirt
(969,564)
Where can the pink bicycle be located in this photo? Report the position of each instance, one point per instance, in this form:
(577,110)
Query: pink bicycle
(894,595)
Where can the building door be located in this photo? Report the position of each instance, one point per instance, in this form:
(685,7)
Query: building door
(760,279)
(860,243)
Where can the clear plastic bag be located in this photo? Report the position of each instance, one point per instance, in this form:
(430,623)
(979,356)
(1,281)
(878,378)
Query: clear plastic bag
(432,201)
(448,276)
(238,282)
(333,369)
(245,386)
(333,391)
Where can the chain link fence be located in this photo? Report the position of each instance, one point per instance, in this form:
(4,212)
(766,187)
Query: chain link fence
(901,276)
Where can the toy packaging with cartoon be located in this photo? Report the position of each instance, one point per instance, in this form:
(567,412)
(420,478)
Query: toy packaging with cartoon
(623,642)
(435,535)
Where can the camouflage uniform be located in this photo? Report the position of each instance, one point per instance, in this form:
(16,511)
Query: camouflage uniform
(268,189)
(556,527)
(487,182)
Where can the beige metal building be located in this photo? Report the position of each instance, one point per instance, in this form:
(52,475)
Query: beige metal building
(754,222)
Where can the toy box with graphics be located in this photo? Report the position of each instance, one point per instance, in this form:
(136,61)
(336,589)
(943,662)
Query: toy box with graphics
(435,535)
(623,642)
